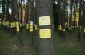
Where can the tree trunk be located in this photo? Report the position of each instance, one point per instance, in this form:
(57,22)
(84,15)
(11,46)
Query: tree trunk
(84,16)
(45,31)
(17,25)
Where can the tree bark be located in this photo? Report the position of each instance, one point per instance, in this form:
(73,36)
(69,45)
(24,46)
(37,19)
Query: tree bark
(45,45)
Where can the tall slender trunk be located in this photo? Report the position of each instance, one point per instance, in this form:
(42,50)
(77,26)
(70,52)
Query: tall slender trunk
(27,17)
(79,29)
(3,8)
(84,16)
(17,24)
(31,22)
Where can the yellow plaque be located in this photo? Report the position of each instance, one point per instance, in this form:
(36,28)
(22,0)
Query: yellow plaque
(64,30)
(20,24)
(45,33)
(59,27)
(35,27)
(7,22)
(31,30)
(14,23)
(31,27)
(84,30)
(44,20)
(11,25)
(17,26)
(27,26)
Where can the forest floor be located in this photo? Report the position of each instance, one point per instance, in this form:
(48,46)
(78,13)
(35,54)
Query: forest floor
(69,46)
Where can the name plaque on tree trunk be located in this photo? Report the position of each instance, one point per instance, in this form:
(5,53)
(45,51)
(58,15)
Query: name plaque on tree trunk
(17,26)
(44,20)
(45,33)
(84,30)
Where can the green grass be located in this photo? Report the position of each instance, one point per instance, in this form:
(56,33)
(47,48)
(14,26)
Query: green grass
(71,46)
(9,45)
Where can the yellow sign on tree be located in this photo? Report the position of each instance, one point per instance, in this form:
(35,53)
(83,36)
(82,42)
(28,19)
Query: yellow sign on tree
(44,20)
(45,33)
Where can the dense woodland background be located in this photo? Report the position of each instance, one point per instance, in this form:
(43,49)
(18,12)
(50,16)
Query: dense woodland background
(19,27)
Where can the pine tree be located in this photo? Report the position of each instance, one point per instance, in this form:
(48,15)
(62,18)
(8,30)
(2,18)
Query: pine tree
(45,30)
